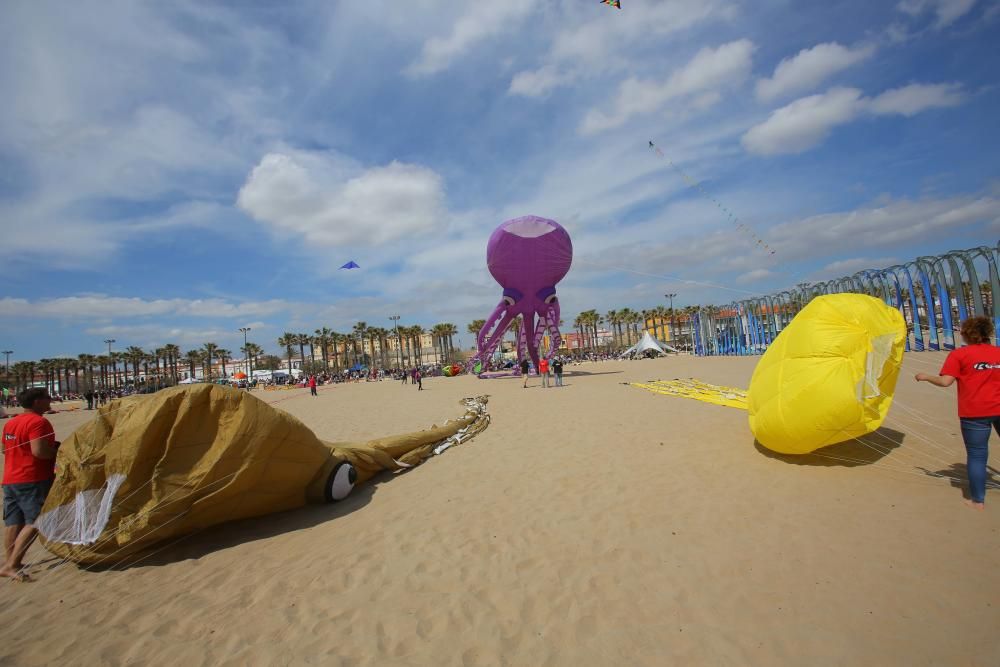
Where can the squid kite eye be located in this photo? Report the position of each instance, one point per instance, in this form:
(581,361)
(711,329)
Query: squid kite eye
(341,482)
(509,300)
(551,298)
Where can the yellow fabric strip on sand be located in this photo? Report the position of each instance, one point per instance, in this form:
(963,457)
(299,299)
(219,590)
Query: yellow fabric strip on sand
(699,391)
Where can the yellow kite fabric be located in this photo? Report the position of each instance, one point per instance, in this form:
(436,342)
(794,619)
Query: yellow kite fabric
(700,391)
(829,376)
(154,467)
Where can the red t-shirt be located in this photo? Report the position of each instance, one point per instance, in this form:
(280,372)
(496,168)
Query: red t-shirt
(543,365)
(977,369)
(19,464)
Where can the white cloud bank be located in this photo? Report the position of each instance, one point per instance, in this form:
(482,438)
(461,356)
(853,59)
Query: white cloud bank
(593,47)
(807,122)
(809,68)
(946,11)
(703,78)
(329,200)
(482,21)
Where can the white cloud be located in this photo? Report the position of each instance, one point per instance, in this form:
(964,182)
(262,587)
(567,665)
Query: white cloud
(809,68)
(331,201)
(807,122)
(946,11)
(847,267)
(592,46)
(538,82)
(482,20)
(911,100)
(709,71)
(100,306)
(804,123)
(892,226)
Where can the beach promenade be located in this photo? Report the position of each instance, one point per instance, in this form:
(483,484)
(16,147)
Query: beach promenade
(594,524)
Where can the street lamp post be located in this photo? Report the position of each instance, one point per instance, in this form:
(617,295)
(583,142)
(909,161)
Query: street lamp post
(246,354)
(6,365)
(114,366)
(399,343)
(672,325)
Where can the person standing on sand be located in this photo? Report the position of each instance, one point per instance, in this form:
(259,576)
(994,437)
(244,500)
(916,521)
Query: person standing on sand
(557,367)
(29,449)
(976,368)
(524,371)
(312,385)
(543,370)
(417,379)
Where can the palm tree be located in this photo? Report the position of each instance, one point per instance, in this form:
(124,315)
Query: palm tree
(662,313)
(436,341)
(87,361)
(252,351)
(113,357)
(224,356)
(209,351)
(286,341)
(193,358)
(474,327)
(302,340)
(611,317)
(372,337)
(418,332)
(173,355)
(323,338)
(359,331)
(135,355)
(382,335)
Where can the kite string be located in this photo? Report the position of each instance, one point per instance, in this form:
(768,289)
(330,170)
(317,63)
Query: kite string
(698,185)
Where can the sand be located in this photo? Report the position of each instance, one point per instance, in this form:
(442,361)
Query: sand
(596,524)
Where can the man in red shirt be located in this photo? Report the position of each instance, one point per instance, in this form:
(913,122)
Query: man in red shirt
(976,368)
(312,385)
(29,458)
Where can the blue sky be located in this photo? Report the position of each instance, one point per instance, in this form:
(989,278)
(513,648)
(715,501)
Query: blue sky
(170,172)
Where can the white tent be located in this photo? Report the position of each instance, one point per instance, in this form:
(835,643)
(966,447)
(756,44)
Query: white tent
(647,343)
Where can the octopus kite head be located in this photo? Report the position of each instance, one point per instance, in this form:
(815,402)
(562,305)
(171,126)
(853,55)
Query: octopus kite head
(529,252)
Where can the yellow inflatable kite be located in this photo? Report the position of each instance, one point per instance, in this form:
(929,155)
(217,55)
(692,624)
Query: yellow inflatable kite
(149,468)
(829,376)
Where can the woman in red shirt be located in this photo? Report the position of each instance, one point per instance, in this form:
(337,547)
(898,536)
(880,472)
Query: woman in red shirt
(976,368)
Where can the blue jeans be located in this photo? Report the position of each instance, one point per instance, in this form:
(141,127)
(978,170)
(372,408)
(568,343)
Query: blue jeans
(976,434)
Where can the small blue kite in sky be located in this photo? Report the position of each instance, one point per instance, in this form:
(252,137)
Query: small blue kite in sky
(350,265)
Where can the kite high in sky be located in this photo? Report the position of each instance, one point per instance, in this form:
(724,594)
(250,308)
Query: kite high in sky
(350,265)
(612,3)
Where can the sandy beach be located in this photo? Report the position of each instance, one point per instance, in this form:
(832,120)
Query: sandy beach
(595,524)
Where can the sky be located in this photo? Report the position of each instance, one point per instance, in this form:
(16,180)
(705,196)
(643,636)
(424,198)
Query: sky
(173,171)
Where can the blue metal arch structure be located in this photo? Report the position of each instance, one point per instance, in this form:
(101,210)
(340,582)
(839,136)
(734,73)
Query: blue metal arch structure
(934,294)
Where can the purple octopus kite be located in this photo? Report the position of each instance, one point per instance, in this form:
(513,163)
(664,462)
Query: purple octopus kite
(527,256)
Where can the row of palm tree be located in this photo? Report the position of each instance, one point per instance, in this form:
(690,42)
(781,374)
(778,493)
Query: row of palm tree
(369,345)
(101,371)
(363,345)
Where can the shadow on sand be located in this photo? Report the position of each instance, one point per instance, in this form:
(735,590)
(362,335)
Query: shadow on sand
(958,477)
(243,531)
(867,449)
